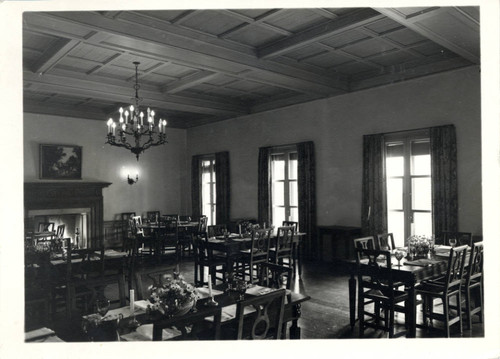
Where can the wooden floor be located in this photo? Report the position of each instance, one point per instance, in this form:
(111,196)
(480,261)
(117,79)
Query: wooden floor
(326,315)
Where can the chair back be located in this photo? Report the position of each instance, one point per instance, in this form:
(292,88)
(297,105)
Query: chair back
(374,272)
(275,276)
(284,242)
(216,230)
(259,251)
(153,216)
(46,227)
(202,224)
(126,228)
(60,231)
(293,224)
(385,241)
(266,320)
(171,217)
(463,238)
(364,243)
(136,226)
(475,267)
(455,272)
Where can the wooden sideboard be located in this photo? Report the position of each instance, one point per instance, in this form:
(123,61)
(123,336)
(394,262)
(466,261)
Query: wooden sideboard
(335,242)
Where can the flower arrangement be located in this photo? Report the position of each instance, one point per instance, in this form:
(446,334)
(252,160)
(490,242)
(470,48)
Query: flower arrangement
(172,296)
(419,246)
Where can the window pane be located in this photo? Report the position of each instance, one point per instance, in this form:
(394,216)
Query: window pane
(214,199)
(395,223)
(206,210)
(205,193)
(422,224)
(278,167)
(278,216)
(278,194)
(421,193)
(394,160)
(294,214)
(420,158)
(293,193)
(395,193)
(292,166)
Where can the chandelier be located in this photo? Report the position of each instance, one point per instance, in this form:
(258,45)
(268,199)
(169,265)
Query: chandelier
(136,133)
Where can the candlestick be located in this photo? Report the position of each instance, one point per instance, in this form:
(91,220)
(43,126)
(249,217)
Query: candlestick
(210,286)
(132,301)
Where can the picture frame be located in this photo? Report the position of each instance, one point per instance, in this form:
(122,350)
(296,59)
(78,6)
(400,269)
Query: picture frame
(60,162)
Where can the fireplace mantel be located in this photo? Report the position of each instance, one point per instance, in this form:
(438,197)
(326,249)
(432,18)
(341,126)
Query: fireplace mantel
(69,194)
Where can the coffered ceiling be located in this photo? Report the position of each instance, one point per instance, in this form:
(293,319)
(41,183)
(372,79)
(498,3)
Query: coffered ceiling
(201,66)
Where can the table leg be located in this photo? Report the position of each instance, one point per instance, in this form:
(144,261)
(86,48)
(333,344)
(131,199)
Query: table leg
(352,300)
(295,329)
(412,330)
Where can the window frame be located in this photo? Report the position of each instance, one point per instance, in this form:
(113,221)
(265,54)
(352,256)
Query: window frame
(213,204)
(407,138)
(286,151)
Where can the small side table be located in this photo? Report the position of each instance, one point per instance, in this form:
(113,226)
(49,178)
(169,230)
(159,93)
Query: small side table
(340,243)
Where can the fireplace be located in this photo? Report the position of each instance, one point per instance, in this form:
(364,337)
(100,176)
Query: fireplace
(75,204)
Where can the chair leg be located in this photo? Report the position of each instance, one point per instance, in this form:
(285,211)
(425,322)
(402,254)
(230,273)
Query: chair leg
(459,309)
(446,313)
(468,316)
(361,315)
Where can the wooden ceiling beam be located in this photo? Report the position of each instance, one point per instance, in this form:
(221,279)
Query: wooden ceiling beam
(447,42)
(184,50)
(123,94)
(53,54)
(341,24)
(189,81)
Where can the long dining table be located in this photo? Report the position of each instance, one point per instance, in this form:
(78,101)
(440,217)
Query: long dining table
(125,322)
(410,272)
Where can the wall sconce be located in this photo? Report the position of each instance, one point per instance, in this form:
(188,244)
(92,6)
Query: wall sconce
(131,181)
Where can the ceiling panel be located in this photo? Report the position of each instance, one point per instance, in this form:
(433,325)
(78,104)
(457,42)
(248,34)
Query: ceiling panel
(263,59)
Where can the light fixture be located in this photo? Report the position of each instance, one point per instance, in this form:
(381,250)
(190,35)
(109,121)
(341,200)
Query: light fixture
(131,181)
(131,130)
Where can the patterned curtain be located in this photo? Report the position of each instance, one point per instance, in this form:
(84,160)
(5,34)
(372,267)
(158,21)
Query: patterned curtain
(444,179)
(195,186)
(264,209)
(222,188)
(374,203)
(307,194)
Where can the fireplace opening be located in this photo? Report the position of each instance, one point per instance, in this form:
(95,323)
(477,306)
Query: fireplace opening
(75,220)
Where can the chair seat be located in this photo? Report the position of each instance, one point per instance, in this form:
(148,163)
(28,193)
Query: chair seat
(433,289)
(378,295)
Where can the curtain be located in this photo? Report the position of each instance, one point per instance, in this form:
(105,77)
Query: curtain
(264,210)
(306,182)
(373,203)
(222,188)
(195,186)
(444,179)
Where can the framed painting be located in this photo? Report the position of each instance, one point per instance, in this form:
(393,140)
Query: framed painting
(60,162)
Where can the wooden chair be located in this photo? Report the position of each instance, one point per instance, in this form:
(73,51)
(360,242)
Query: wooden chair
(385,241)
(46,227)
(463,238)
(377,291)
(216,230)
(257,254)
(275,276)
(444,289)
(141,239)
(267,319)
(293,224)
(204,257)
(126,230)
(364,243)
(153,216)
(284,247)
(168,236)
(474,282)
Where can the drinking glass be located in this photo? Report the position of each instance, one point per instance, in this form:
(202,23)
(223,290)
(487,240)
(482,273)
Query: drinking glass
(102,306)
(453,242)
(399,255)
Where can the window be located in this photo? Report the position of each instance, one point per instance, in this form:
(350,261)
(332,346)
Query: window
(207,181)
(409,195)
(284,193)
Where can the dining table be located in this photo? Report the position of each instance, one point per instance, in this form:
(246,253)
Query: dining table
(410,272)
(233,243)
(123,324)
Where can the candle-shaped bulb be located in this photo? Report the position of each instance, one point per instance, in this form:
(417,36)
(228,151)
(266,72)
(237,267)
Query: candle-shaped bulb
(164,125)
(131,108)
(113,125)
(110,121)
(126,116)
(120,110)
(152,113)
(123,127)
(150,119)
